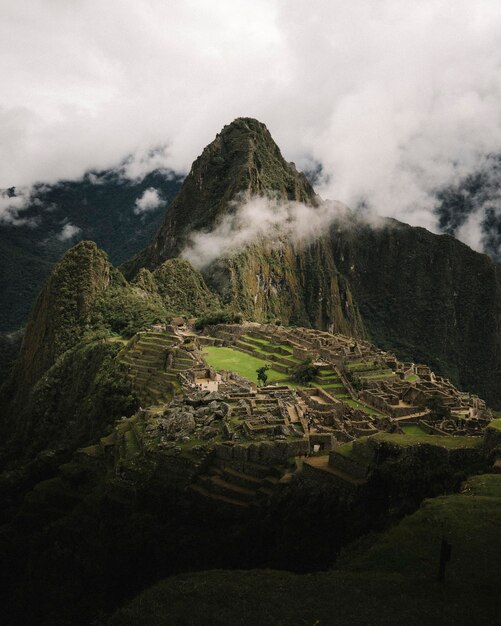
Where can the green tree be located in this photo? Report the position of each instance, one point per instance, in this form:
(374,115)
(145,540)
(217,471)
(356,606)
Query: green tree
(439,410)
(262,376)
(305,371)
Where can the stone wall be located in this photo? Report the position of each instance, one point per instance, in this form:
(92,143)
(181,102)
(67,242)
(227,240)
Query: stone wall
(346,465)
(266,453)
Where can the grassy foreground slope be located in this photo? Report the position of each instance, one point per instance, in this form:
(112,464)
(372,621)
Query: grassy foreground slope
(388,579)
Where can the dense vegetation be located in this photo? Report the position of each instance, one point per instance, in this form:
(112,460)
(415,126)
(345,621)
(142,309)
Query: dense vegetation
(125,309)
(217,317)
(305,371)
(75,400)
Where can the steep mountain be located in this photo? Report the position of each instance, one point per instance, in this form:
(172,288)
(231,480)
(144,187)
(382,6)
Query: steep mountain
(100,207)
(266,281)
(430,298)
(66,383)
(181,289)
(243,158)
(64,308)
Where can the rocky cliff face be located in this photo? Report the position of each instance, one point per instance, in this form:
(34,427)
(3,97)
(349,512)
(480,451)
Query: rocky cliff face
(242,158)
(267,280)
(430,298)
(292,283)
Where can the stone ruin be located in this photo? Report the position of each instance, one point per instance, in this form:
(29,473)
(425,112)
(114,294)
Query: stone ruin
(388,393)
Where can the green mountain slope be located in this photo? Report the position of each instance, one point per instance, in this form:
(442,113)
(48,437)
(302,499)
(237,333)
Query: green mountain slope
(387,579)
(66,377)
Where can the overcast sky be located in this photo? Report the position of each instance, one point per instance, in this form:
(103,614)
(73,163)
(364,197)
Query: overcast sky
(392,97)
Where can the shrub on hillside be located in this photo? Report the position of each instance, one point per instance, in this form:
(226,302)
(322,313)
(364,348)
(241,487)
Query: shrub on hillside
(305,371)
(218,317)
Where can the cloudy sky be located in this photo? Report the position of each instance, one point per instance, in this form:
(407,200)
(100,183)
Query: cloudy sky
(392,97)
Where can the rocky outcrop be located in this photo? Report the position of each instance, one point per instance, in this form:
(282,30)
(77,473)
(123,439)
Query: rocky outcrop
(183,289)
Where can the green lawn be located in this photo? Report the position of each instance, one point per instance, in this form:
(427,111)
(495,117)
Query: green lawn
(446,441)
(241,363)
(362,407)
(412,429)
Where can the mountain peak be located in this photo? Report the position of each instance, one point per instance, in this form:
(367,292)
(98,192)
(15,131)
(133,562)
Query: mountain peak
(242,159)
(64,306)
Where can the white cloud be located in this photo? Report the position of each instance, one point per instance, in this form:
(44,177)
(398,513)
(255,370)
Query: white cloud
(69,231)
(149,201)
(11,208)
(137,165)
(393,97)
(255,218)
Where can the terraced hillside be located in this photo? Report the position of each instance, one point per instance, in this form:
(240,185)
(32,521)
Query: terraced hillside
(154,360)
(238,485)
(282,358)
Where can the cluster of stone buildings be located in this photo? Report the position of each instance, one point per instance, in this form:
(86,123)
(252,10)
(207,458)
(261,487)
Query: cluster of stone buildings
(375,390)
(359,391)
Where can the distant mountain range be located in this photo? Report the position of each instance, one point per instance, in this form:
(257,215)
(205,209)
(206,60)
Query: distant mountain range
(101,207)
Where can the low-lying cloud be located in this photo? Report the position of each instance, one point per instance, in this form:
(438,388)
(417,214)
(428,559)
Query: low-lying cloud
(149,201)
(12,206)
(257,218)
(68,232)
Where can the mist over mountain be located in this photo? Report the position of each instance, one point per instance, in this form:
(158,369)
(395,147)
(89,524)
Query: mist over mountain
(120,214)
(471,209)
(271,248)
